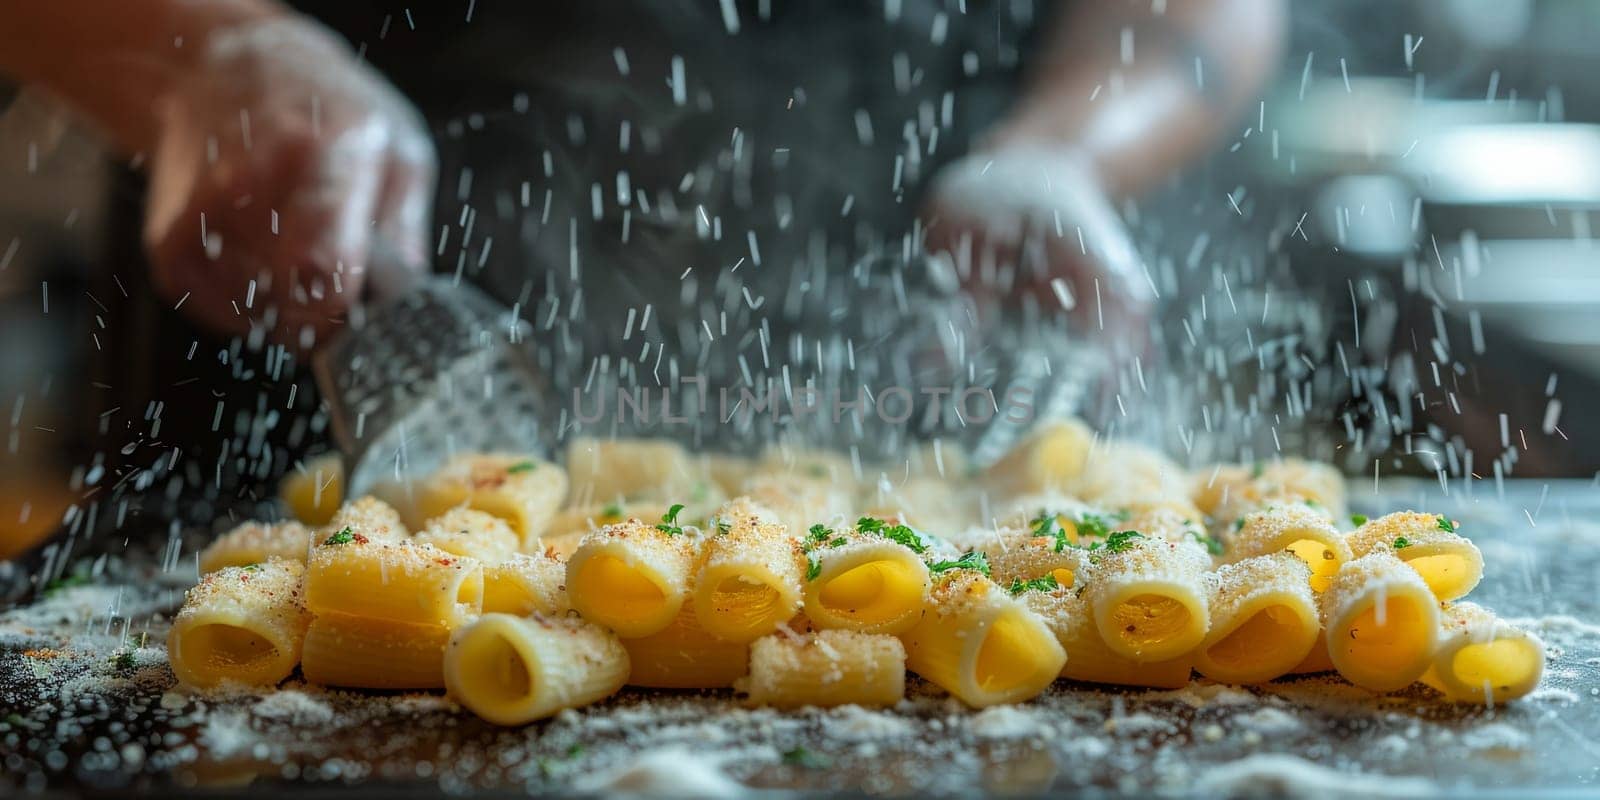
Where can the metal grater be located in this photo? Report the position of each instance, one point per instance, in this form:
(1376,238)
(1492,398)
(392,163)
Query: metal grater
(438,371)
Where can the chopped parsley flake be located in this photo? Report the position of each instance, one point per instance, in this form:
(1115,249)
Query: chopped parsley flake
(819,534)
(899,534)
(1238,524)
(520,466)
(723,527)
(1212,543)
(1121,541)
(1358,519)
(1256,469)
(1401,542)
(1098,525)
(65,582)
(971,560)
(123,660)
(612,510)
(802,757)
(813,567)
(1446,525)
(251,568)
(1043,584)
(669,521)
(344,536)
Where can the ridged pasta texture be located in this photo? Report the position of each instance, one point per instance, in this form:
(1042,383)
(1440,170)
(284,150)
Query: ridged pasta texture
(750,575)
(825,668)
(632,577)
(1481,659)
(1449,563)
(684,656)
(513,670)
(1263,620)
(244,624)
(362,653)
(396,581)
(981,645)
(1149,597)
(1066,613)
(1381,623)
(520,489)
(254,543)
(863,582)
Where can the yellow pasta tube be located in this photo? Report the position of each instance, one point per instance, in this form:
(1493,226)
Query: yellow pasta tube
(1228,492)
(1381,623)
(472,533)
(683,656)
(1066,613)
(395,581)
(1015,555)
(1127,470)
(1295,528)
(1149,597)
(1049,513)
(577,521)
(980,645)
(928,504)
(254,543)
(864,582)
(632,577)
(362,653)
(368,516)
(1449,563)
(1483,660)
(514,670)
(244,624)
(749,578)
(314,490)
(1307,480)
(798,501)
(520,489)
(1263,620)
(1317,660)
(1050,459)
(826,669)
(614,470)
(524,584)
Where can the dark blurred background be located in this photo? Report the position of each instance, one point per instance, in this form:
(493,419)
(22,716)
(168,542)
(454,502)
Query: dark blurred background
(1390,265)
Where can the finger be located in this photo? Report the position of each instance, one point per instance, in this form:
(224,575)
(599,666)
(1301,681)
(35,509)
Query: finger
(400,252)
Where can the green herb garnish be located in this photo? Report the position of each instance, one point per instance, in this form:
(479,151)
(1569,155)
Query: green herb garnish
(974,559)
(65,582)
(813,567)
(1358,519)
(1446,525)
(1256,469)
(819,533)
(344,536)
(1121,541)
(612,510)
(1238,524)
(1046,524)
(723,527)
(1401,542)
(1043,584)
(1212,543)
(899,534)
(802,757)
(520,466)
(123,660)
(669,521)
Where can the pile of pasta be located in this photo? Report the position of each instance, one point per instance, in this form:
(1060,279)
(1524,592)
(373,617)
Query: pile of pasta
(524,588)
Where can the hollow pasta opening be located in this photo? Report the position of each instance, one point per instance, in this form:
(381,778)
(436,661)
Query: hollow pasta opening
(497,506)
(1063,576)
(1008,655)
(1149,619)
(743,603)
(227,647)
(1263,639)
(616,590)
(1396,645)
(494,670)
(1447,574)
(873,593)
(1321,558)
(1496,665)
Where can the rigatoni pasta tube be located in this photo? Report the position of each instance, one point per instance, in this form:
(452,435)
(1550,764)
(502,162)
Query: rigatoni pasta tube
(750,576)
(1481,659)
(1449,563)
(314,490)
(980,645)
(396,581)
(254,543)
(1067,615)
(1295,528)
(863,582)
(245,624)
(1263,620)
(513,670)
(684,656)
(1050,459)
(826,668)
(1149,597)
(522,490)
(631,577)
(524,584)
(1381,623)
(362,653)
(369,517)
(1024,556)
(472,533)
(612,470)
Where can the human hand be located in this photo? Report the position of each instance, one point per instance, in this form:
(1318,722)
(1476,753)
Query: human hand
(285,174)
(1037,221)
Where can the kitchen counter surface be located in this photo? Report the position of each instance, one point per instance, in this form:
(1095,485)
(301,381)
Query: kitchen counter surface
(84,706)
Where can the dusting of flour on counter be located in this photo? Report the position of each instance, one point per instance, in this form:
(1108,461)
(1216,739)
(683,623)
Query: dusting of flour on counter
(667,772)
(1278,775)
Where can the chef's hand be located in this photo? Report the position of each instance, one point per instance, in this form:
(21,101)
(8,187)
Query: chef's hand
(284,176)
(1036,220)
